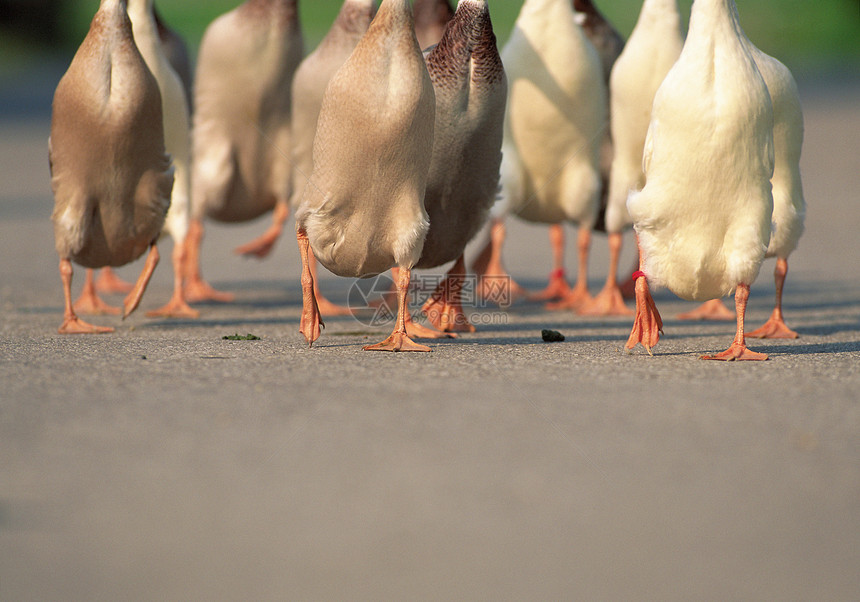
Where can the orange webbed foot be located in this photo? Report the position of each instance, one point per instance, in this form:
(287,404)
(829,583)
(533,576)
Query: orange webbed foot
(608,302)
(398,342)
(556,290)
(576,299)
(737,352)
(175,308)
(91,305)
(714,310)
(444,308)
(198,291)
(260,247)
(774,328)
(330,309)
(75,325)
(110,284)
(647,325)
(446,316)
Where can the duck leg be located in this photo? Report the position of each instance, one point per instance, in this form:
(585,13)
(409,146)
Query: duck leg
(71,323)
(714,310)
(578,296)
(89,303)
(134,296)
(326,307)
(444,308)
(413,328)
(609,301)
(647,325)
(262,246)
(558,288)
(399,339)
(628,286)
(196,288)
(177,307)
(738,350)
(109,283)
(775,327)
(311,322)
(494,283)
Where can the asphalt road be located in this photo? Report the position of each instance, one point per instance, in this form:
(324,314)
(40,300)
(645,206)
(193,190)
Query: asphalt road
(163,462)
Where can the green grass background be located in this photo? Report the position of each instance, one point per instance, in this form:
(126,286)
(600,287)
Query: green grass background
(806,34)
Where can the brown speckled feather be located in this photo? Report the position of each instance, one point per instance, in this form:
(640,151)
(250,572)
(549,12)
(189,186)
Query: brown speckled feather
(471,92)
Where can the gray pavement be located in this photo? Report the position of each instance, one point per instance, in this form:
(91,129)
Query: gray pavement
(164,463)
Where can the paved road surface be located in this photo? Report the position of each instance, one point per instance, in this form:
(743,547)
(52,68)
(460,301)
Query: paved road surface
(162,462)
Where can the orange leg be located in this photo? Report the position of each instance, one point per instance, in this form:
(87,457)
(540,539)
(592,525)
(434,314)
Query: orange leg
(326,307)
(263,245)
(609,301)
(775,327)
(71,323)
(414,329)
(558,287)
(628,286)
(177,307)
(311,322)
(196,288)
(109,283)
(713,310)
(738,350)
(494,282)
(647,325)
(134,296)
(578,295)
(89,302)
(399,339)
(444,308)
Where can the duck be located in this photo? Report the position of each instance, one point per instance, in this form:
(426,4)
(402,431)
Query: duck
(701,233)
(242,117)
(176,51)
(177,139)
(557,111)
(108,281)
(110,174)
(789,204)
(309,84)
(431,17)
(471,92)
(609,44)
(364,212)
(651,51)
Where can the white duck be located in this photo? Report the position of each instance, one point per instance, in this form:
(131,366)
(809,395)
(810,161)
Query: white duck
(177,139)
(109,172)
(609,45)
(557,111)
(431,16)
(471,92)
(363,212)
(703,217)
(651,51)
(309,85)
(242,114)
(789,206)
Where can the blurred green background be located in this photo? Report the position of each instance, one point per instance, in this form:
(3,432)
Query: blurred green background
(806,34)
